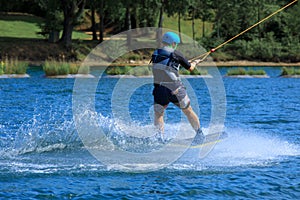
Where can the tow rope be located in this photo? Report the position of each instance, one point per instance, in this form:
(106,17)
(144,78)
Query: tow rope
(202,57)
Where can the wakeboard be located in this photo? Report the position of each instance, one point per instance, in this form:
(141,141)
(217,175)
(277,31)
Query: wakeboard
(155,142)
(209,139)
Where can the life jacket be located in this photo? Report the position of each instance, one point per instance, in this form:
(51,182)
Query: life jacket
(165,66)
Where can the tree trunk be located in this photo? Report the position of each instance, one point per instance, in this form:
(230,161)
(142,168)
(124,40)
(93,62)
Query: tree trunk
(160,23)
(128,25)
(67,31)
(94,29)
(101,36)
(72,10)
(179,27)
(258,19)
(193,25)
(53,36)
(203,28)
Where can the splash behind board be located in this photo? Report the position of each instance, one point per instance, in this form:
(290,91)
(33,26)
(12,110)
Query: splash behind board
(209,139)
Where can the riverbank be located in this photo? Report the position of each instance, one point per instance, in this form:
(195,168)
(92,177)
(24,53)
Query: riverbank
(237,63)
(245,63)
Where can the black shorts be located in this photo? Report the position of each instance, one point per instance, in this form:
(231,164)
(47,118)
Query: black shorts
(174,92)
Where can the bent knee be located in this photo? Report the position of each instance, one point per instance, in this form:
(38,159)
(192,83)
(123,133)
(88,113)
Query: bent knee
(184,103)
(159,109)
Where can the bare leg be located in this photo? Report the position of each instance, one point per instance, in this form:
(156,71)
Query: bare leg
(159,117)
(159,121)
(192,117)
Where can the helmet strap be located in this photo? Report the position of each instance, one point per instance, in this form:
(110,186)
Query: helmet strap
(175,46)
(172,46)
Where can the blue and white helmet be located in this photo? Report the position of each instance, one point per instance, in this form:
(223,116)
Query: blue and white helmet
(170,37)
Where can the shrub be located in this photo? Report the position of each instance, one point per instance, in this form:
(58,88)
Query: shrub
(135,71)
(53,68)
(1,68)
(13,66)
(73,68)
(289,71)
(83,69)
(117,70)
(196,71)
(184,72)
(252,72)
(237,71)
(242,71)
(140,71)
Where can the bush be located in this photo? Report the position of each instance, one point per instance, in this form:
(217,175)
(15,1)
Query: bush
(140,71)
(235,72)
(289,71)
(252,72)
(13,66)
(73,68)
(242,71)
(196,71)
(83,69)
(1,68)
(135,71)
(264,49)
(53,68)
(117,70)
(145,71)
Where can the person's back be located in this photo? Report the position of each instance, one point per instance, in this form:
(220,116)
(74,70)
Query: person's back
(167,84)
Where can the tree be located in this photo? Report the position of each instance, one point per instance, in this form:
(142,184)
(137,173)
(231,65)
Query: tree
(179,7)
(160,20)
(92,4)
(101,16)
(53,19)
(111,14)
(72,10)
(226,18)
(201,10)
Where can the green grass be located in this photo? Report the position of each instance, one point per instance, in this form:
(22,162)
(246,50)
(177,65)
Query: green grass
(196,71)
(128,70)
(145,71)
(290,71)
(122,70)
(243,71)
(20,26)
(26,26)
(13,66)
(54,68)
(186,26)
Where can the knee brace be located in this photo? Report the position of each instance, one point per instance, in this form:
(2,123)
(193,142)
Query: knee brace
(159,108)
(184,103)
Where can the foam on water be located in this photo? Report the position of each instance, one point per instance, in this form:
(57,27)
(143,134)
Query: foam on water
(36,146)
(243,148)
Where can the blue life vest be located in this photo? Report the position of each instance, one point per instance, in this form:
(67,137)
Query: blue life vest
(165,67)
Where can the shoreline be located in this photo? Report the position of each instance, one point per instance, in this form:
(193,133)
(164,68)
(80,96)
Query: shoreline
(237,63)
(244,63)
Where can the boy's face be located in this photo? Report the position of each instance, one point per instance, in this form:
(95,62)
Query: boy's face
(174,45)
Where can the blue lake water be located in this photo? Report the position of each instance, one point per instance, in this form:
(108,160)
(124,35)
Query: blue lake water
(43,157)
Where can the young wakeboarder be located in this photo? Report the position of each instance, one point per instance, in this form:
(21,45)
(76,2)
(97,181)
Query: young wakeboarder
(167,84)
